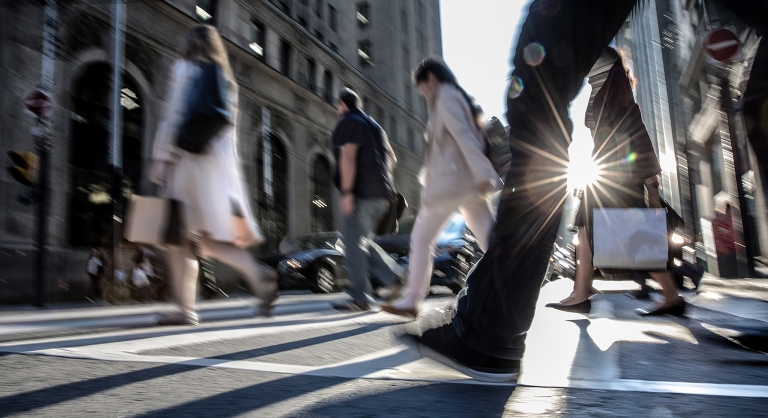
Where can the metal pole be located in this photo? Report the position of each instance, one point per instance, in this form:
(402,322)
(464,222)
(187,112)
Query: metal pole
(44,145)
(266,146)
(116,128)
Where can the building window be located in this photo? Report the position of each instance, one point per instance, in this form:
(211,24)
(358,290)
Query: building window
(273,208)
(404,22)
(257,39)
(205,11)
(319,8)
(407,99)
(406,59)
(319,36)
(363,14)
(422,43)
(333,20)
(328,86)
(309,74)
(303,22)
(304,3)
(285,7)
(322,208)
(422,12)
(393,128)
(285,58)
(333,47)
(364,54)
(411,142)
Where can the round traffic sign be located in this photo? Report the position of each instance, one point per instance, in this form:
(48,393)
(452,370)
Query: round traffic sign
(37,102)
(722,45)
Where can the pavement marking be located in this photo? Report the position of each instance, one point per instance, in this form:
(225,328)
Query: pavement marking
(564,351)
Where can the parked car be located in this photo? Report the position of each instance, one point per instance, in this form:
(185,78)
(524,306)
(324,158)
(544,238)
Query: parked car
(456,252)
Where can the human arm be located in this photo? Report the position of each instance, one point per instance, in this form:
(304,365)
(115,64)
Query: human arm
(165,152)
(348,174)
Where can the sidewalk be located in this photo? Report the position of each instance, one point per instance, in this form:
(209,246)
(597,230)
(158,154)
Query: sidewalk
(26,319)
(745,298)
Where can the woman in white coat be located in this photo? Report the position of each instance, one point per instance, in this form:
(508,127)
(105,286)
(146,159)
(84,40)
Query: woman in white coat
(215,209)
(457,175)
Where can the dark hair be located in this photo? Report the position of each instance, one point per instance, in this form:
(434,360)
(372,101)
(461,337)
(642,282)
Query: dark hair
(350,98)
(440,70)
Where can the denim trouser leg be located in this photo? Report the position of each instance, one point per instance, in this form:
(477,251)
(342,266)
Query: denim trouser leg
(498,309)
(357,231)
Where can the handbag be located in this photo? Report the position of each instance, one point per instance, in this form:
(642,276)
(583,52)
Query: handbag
(153,220)
(207,111)
(497,146)
(632,238)
(388,224)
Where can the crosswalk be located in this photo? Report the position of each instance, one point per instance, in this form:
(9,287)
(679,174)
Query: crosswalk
(563,350)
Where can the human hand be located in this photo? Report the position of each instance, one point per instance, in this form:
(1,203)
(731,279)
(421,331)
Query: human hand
(158,172)
(348,204)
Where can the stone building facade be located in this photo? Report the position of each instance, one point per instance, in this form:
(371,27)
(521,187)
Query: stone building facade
(289,58)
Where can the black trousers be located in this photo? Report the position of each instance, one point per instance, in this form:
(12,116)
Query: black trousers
(502,291)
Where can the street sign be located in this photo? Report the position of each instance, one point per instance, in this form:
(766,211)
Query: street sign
(722,45)
(38,102)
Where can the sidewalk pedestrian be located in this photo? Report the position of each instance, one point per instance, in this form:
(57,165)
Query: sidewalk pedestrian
(625,155)
(364,175)
(457,175)
(95,269)
(215,207)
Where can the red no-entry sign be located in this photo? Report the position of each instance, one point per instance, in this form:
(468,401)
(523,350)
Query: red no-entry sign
(37,102)
(722,45)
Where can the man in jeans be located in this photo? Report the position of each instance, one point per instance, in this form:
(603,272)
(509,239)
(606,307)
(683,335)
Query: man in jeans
(559,43)
(364,162)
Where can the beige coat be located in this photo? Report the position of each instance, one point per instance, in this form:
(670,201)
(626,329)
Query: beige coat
(455,161)
(209,185)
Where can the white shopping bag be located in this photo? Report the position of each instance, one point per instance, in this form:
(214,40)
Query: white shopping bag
(632,239)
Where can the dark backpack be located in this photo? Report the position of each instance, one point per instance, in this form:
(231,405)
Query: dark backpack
(207,111)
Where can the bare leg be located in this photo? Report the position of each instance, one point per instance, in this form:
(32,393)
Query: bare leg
(262,287)
(668,288)
(582,283)
(183,271)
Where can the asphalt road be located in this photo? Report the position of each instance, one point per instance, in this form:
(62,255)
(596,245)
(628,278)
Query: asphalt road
(327,364)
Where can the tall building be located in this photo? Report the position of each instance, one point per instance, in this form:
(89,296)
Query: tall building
(289,58)
(687,98)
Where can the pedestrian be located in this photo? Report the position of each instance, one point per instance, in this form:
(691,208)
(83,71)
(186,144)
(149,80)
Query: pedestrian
(95,269)
(628,170)
(215,207)
(457,175)
(558,44)
(364,175)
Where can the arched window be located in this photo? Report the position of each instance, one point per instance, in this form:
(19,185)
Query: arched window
(321,199)
(89,218)
(273,208)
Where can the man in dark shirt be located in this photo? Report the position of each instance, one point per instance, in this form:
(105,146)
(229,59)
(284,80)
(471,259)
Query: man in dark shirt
(364,163)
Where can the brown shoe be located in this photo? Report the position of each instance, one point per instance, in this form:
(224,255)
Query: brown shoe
(408,313)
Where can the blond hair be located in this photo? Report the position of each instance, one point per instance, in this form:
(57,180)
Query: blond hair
(203,43)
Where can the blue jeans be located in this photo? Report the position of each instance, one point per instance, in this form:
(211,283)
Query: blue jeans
(364,259)
(497,311)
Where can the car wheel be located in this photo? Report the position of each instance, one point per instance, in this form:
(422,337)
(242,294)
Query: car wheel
(324,281)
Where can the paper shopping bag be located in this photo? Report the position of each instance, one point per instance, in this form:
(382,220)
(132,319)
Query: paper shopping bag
(147,220)
(632,239)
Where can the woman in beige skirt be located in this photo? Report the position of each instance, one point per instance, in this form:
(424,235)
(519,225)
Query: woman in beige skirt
(215,211)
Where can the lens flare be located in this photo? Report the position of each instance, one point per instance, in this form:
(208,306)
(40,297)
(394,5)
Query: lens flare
(534,54)
(515,87)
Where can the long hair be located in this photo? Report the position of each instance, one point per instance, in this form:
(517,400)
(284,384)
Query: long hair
(440,70)
(203,43)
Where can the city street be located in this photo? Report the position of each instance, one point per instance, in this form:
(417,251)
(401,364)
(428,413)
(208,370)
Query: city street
(311,361)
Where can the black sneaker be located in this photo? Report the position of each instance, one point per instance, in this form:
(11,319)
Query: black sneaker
(350,306)
(444,346)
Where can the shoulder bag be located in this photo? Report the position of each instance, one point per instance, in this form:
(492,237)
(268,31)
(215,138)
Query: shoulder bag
(207,111)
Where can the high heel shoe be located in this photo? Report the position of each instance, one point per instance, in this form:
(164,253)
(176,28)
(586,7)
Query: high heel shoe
(678,309)
(581,307)
(411,313)
(268,291)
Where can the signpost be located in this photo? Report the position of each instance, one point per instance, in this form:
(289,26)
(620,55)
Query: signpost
(722,45)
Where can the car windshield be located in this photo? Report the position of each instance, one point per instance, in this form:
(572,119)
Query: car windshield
(453,230)
(306,243)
